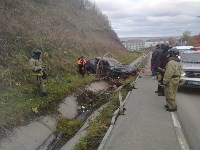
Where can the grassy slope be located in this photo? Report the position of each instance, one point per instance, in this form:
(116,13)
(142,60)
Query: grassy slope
(64,30)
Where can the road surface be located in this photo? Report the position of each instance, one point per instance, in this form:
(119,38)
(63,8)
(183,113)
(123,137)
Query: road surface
(188,101)
(147,126)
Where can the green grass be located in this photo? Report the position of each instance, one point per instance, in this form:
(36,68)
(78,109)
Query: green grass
(127,59)
(18,104)
(68,126)
(143,63)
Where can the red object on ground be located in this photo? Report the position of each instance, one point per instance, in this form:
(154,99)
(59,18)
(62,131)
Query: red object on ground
(196,48)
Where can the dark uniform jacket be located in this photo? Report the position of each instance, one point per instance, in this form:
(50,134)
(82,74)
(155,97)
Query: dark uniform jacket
(164,59)
(155,60)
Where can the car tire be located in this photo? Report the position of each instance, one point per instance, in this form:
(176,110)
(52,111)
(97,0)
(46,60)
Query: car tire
(90,70)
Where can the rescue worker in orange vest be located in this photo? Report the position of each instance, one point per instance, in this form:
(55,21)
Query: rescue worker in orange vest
(81,66)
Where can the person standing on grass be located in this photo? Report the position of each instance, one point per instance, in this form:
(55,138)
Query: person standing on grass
(81,66)
(35,64)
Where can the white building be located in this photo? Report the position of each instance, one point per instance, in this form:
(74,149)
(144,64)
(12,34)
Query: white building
(151,44)
(134,45)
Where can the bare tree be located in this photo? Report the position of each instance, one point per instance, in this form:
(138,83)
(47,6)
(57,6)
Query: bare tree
(194,40)
(172,41)
(185,37)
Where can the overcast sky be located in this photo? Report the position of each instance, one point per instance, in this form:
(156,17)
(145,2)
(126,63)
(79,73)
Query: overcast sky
(147,18)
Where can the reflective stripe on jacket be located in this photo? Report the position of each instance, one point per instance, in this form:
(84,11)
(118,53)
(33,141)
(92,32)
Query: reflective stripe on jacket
(35,64)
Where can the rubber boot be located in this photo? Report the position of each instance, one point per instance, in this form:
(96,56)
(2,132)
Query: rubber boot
(160,91)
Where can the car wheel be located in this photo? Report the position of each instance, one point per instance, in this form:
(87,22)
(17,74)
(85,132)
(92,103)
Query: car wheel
(90,70)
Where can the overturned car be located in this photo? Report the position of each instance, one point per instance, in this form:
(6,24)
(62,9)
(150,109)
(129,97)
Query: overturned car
(109,67)
(191,69)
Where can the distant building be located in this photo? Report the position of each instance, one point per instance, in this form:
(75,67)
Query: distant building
(137,44)
(134,45)
(151,43)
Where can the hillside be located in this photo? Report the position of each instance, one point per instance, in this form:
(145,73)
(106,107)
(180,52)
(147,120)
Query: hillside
(63,29)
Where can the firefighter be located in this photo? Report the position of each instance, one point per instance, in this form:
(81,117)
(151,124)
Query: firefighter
(35,64)
(171,80)
(161,69)
(81,66)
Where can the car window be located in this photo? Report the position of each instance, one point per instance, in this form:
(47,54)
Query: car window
(91,60)
(105,63)
(96,61)
(190,57)
(184,50)
(113,62)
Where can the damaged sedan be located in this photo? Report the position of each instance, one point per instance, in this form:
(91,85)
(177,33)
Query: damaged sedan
(109,67)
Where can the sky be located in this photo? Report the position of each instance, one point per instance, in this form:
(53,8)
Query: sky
(151,18)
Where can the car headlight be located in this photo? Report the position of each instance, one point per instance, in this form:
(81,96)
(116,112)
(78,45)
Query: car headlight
(183,74)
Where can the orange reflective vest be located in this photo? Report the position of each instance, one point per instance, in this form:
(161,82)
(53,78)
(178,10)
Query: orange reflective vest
(81,61)
(78,62)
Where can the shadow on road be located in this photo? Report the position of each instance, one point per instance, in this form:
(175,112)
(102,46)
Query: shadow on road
(190,91)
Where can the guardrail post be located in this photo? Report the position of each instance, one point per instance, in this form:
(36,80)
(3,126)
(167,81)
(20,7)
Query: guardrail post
(121,104)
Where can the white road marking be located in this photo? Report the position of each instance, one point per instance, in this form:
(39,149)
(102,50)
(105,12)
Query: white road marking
(179,133)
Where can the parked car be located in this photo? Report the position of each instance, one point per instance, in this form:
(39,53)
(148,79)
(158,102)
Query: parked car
(191,69)
(109,67)
(184,48)
(196,48)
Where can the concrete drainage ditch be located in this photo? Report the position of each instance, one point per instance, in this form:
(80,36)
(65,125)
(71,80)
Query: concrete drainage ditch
(34,135)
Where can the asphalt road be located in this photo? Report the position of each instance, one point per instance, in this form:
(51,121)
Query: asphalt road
(147,125)
(146,117)
(188,101)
